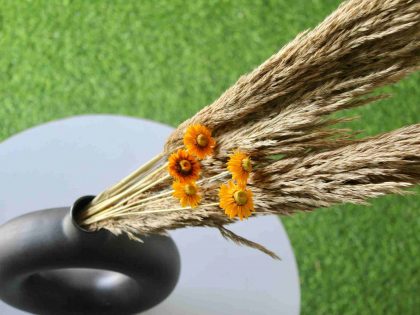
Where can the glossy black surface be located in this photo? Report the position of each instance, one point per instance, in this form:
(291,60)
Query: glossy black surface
(49,265)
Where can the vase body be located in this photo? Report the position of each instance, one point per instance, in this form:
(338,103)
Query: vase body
(49,265)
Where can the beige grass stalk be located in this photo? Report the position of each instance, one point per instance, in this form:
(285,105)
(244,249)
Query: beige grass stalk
(125,182)
(280,114)
(131,191)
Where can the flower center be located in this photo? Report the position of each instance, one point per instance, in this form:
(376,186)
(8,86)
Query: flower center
(190,190)
(246,164)
(185,166)
(202,140)
(240,197)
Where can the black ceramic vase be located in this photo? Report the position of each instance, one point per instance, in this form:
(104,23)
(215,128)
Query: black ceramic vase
(49,265)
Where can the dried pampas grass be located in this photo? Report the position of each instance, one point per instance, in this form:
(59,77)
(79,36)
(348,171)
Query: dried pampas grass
(280,114)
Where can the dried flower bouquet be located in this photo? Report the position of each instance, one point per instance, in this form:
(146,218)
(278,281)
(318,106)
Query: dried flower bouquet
(268,145)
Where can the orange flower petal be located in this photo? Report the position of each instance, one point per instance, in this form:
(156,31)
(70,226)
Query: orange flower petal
(240,165)
(188,194)
(198,141)
(183,167)
(231,206)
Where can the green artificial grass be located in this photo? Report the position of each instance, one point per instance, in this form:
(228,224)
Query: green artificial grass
(164,60)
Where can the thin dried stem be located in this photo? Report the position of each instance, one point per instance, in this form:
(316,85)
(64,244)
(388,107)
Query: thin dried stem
(162,210)
(124,183)
(131,192)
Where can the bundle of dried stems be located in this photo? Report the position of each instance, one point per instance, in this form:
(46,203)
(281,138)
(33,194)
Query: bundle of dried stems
(279,114)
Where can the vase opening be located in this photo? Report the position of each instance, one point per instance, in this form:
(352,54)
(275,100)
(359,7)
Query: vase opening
(76,210)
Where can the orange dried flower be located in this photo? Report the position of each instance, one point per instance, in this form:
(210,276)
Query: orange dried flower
(236,200)
(183,167)
(240,165)
(188,194)
(198,141)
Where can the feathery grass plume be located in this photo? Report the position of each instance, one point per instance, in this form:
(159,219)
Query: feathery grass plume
(279,114)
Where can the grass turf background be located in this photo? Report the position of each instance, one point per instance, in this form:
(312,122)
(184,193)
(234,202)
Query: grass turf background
(164,60)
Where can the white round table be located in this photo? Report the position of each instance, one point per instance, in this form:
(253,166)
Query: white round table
(53,164)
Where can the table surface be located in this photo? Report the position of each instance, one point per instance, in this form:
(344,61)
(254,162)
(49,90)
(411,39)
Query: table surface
(53,164)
